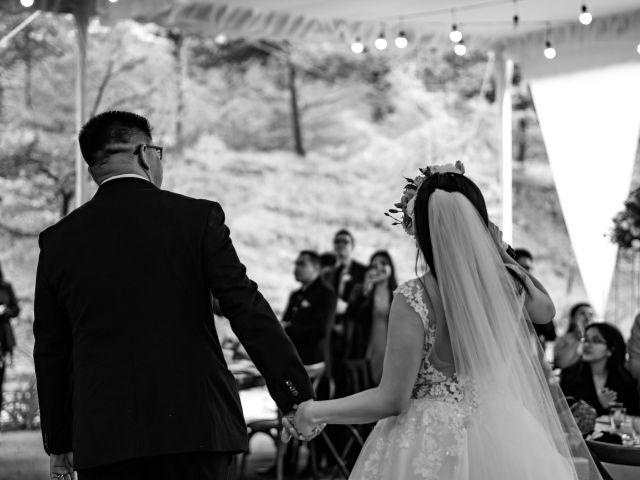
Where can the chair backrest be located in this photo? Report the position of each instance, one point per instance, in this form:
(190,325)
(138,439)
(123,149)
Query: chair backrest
(622,463)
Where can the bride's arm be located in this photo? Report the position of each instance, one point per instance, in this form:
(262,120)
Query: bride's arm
(402,360)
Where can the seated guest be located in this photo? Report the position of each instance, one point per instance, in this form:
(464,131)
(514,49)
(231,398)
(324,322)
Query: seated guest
(566,349)
(368,313)
(600,377)
(633,347)
(310,309)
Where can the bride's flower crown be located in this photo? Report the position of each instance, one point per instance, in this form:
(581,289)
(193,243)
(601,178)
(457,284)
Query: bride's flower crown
(407,203)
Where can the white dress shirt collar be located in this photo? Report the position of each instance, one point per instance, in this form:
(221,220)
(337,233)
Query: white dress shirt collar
(125,175)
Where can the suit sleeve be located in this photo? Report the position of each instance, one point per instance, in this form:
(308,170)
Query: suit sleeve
(251,317)
(53,363)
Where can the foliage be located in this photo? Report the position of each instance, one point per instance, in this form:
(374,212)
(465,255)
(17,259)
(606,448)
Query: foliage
(626,224)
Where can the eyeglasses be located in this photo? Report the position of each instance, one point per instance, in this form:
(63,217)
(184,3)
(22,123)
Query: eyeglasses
(158,149)
(596,341)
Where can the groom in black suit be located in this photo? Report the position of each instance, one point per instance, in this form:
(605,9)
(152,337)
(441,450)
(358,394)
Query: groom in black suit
(132,381)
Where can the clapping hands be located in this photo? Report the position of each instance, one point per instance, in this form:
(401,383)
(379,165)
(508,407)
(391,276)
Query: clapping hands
(298,424)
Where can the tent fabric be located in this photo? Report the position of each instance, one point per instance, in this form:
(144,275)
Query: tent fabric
(590,122)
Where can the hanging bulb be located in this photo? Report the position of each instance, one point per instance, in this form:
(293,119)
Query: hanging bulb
(401,40)
(549,51)
(638,49)
(26,3)
(221,38)
(585,17)
(455,35)
(380,42)
(516,20)
(357,46)
(113,1)
(460,49)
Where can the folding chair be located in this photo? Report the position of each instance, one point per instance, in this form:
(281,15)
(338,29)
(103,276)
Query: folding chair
(615,462)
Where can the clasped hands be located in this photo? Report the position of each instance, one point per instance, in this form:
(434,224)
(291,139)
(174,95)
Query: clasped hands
(298,424)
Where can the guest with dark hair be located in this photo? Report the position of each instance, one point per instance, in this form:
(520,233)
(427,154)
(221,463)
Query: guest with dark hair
(524,258)
(328,261)
(310,309)
(600,377)
(368,313)
(546,332)
(8,309)
(566,350)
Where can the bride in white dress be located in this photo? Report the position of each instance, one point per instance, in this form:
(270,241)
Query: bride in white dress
(463,394)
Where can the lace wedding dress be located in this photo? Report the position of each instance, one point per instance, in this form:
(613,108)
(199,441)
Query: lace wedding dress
(430,439)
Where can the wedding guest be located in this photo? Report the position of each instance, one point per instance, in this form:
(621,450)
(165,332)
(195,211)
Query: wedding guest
(546,332)
(524,258)
(343,277)
(8,309)
(310,310)
(566,349)
(368,313)
(600,377)
(633,347)
(328,260)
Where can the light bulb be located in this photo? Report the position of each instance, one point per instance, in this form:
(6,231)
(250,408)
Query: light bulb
(460,49)
(401,40)
(380,42)
(549,51)
(357,46)
(113,1)
(455,35)
(638,49)
(26,3)
(221,39)
(585,17)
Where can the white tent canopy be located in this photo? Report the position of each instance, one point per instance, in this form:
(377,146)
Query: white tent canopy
(610,43)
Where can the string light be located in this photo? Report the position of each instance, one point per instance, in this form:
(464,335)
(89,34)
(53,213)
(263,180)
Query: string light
(381,42)
(638,49)
(549,51)
(26,3)
(460,49)
(401,40)
(113,1)
(221,38)
(585,17)
(357,46)
(455,35)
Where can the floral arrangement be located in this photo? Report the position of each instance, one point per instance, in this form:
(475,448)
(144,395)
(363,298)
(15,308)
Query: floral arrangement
(406,205)
(626,224)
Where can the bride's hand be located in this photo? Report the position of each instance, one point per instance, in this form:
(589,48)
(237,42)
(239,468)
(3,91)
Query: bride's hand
(304,422)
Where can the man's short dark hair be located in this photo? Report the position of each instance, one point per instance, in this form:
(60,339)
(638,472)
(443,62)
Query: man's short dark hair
(109,128)
(345,232)
(523,253)
(313,257)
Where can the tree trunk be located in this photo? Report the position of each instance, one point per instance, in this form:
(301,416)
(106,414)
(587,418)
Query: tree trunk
(295,114)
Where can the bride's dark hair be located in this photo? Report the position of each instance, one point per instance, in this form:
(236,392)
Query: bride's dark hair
(449,182)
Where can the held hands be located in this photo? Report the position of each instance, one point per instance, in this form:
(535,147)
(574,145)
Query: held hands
(61,466)
(607,396)
(298,424)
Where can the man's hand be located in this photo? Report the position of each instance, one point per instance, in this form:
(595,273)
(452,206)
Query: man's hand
(296,424)
(61,466)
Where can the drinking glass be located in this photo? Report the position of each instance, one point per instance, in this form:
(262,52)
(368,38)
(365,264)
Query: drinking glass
(617,415)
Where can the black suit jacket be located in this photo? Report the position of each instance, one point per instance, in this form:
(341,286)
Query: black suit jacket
(356,272)
(127,358)
(309,313)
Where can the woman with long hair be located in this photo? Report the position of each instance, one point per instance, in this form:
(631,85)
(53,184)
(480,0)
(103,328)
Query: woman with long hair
(566,350)
(368,313)
(463,395)
(600,377)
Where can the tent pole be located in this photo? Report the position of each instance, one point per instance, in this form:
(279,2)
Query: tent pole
(81,15)
(504,77)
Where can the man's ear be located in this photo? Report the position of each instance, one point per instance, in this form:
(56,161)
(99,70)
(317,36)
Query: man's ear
(142,157)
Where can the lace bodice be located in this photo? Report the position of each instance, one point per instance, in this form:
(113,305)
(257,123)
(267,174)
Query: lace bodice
(430,382)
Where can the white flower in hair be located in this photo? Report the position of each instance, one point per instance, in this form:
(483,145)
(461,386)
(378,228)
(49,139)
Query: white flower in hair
(407,203)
